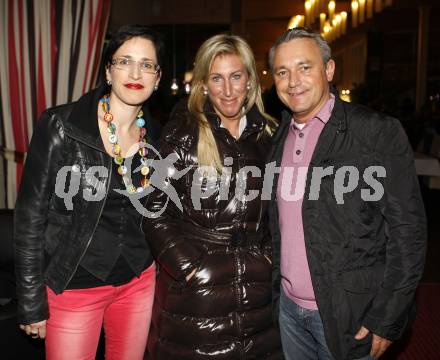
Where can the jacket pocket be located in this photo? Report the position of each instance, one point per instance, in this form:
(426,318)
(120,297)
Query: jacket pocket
(360,288)
(363,281)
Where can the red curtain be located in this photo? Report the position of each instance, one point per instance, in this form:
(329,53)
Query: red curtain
(50,52)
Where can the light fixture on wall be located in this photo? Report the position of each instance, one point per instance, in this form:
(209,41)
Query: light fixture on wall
(354,13)
(187,88)
(187,81)
(322,18)
(296,21)
(331,9)
(345,95)
(174,84)
(344,22)
(361,11)
(308,10)
(333,24)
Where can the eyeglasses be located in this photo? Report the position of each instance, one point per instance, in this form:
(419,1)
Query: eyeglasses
(145,66)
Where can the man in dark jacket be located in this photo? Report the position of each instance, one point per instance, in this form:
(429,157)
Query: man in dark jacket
(347,219)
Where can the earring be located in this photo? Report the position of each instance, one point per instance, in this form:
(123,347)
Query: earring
(156,87)
(109,82)
(205,92)
(248,86)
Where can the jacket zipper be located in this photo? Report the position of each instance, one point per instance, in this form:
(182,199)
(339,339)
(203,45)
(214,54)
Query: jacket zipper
(239,302)
(96,224)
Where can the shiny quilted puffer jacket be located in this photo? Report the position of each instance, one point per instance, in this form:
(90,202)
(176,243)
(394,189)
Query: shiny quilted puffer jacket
(224,311)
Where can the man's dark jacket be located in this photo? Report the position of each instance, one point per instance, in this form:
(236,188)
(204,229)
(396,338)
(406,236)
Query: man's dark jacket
(365,257)
(49,239)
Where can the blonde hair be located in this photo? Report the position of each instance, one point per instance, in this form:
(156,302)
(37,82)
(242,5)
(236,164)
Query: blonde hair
(207,151)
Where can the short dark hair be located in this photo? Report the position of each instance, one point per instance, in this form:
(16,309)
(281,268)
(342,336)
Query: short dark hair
(127,32)
(301,33)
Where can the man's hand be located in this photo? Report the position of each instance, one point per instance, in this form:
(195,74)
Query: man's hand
(378,344)
(36,330)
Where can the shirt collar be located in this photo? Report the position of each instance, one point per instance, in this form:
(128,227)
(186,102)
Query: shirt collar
(326,111)
(323,114)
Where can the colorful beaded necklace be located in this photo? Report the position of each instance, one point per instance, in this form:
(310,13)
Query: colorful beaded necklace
(116,148)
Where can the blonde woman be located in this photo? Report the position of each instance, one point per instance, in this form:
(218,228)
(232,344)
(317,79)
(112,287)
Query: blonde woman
(213,296)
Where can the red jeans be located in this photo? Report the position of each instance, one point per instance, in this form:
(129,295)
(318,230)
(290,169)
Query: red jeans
(76,317)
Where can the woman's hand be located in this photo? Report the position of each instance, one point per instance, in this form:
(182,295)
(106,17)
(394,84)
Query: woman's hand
(36,330)
(268,259)
(189,276)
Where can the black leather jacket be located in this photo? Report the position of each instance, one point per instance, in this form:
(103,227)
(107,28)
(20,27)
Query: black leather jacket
(50,234)
(365,257)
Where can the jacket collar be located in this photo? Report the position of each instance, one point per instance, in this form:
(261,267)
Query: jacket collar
(255,120)
(337,124)
(337,117)
(82,124)
(185,129)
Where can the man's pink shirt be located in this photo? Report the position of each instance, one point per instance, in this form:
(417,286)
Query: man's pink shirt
(298,150)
